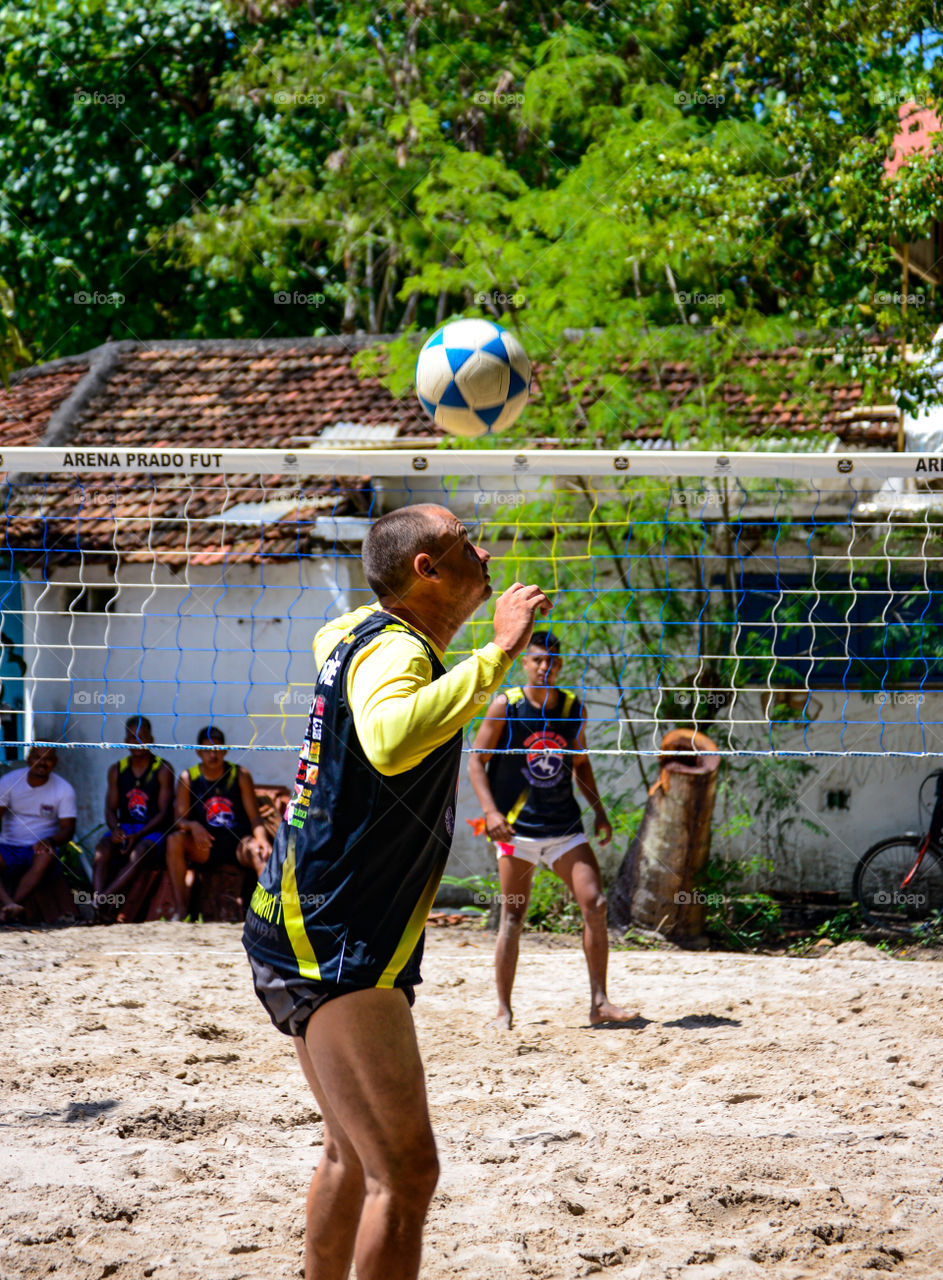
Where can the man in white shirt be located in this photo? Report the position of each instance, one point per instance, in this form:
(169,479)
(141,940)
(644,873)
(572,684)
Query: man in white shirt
(38,812)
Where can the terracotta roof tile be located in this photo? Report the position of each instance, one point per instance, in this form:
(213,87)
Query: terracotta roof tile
(25,408)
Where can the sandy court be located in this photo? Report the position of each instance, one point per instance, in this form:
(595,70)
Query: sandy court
(771,1117)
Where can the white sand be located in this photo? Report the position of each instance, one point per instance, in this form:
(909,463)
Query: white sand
(156,1125)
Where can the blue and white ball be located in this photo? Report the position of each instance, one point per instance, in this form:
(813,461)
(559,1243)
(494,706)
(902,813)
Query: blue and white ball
(472,378)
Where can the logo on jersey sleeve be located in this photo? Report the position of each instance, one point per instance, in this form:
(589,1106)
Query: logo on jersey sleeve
(137,804)
(220,812)
(544,762)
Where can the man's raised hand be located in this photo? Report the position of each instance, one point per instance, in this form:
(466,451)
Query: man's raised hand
(514,616)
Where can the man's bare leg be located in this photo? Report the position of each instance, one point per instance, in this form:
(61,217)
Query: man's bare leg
(43,857)
(515,875)
(579,871)
(371,1080)
(336,1194)
(5,899)
(135,865)
(9,910)
(101,866)
(180,848)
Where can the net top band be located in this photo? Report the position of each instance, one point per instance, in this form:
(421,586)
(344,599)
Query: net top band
(857,468)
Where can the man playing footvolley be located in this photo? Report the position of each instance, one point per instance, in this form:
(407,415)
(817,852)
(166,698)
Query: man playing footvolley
(334,933)
(532,745)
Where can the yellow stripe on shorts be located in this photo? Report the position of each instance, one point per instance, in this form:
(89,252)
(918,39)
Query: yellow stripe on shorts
(294,917)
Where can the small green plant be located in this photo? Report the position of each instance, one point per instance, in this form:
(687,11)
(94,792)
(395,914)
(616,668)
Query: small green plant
(480,888)
(738,917)
(552,907)
(843,926)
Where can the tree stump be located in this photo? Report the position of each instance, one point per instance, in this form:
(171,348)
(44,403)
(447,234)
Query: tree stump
(656,884)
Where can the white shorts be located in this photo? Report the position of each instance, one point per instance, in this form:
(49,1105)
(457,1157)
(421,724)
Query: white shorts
(534,849)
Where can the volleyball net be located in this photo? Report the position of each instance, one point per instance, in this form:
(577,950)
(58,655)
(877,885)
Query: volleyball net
(783,604)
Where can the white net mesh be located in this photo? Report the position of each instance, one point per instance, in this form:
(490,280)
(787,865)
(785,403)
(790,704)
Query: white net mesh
(785,605)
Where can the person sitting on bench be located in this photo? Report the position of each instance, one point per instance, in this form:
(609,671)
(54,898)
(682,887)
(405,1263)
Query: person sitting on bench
(217,820)
(38,811)
(138,813)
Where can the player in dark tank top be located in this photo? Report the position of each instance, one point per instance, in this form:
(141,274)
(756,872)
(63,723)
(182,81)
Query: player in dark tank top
(529,750)
(217,819)
(138,815)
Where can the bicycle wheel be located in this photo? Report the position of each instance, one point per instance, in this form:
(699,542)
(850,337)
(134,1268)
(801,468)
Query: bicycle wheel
(879,889)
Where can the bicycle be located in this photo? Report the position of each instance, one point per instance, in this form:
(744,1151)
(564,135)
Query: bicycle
(898,883)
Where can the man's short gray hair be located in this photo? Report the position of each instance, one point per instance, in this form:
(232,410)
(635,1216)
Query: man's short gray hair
(392,544)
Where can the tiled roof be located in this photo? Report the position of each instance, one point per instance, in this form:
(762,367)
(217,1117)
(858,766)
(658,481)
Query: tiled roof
(846,416)
(32,398)
(274,394)
(176,519)
(238,394)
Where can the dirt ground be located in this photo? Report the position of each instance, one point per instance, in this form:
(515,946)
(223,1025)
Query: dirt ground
(772,1117)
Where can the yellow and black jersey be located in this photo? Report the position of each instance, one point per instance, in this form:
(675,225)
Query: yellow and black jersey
(358,857)
(531,770)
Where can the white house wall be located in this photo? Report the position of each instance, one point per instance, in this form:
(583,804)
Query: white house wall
(184,654)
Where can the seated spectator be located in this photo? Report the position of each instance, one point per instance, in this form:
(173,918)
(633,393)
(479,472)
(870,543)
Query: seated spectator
(217,819)
(138,813)
(38,811)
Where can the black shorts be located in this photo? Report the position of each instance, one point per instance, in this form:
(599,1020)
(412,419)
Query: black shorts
(291,1001)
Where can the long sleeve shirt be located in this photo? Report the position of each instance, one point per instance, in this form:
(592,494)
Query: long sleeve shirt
(400,713)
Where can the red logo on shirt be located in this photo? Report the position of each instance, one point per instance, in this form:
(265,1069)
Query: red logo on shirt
(219,812)
(137,804)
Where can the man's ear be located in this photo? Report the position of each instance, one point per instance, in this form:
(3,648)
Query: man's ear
(425,566)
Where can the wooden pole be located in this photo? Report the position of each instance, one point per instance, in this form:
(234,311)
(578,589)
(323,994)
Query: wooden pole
(656,886)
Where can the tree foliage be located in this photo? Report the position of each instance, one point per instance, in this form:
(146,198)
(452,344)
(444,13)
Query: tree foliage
(630,186)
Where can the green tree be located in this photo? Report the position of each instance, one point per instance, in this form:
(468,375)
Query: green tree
(109,133)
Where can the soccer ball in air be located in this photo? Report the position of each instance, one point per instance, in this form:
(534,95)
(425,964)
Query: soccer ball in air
(472,377)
